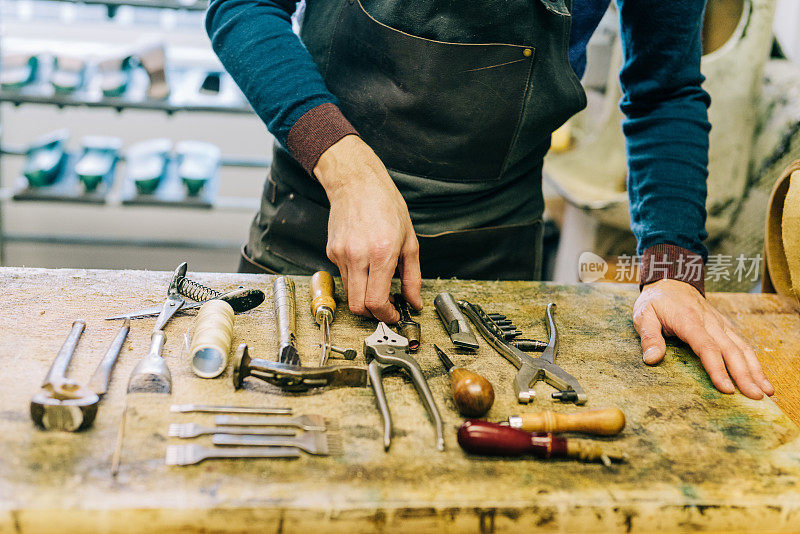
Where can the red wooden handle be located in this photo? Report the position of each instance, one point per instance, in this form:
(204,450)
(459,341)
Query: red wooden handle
(483,437)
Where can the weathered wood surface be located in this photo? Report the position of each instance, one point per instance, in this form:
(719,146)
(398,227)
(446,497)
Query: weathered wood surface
(698,459)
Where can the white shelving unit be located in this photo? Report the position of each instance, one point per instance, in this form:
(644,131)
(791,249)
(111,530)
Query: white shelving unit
(51,234)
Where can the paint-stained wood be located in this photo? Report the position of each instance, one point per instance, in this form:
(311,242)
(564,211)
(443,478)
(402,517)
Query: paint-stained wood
(698,458)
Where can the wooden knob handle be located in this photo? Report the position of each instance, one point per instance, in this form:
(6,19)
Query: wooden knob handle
(604,422)
(473,394)
(322,293)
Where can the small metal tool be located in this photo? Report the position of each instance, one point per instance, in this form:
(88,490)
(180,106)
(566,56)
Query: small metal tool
(252,410)
(318,443)
(240,299)
(347,354)
(193,454)
(151,374)
(531,370)
(529,345)
(303,422)
(454,322)
(174,300)
(63,404)
(407,326)
(283,291)
(385,350)
(193,430)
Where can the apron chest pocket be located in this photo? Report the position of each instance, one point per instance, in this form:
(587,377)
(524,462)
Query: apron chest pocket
(447,111)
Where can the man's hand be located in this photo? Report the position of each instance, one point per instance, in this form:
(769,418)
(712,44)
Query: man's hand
(370,235)
(677,309)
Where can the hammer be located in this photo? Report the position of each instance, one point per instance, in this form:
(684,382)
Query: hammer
(63,404)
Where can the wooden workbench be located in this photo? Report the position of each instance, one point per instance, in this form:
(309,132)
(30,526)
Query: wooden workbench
(698,459)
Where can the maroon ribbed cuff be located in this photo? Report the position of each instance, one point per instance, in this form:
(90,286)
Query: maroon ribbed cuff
(315,131)
(673,262)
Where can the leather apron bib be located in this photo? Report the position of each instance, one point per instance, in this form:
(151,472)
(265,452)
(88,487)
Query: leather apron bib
(459,101)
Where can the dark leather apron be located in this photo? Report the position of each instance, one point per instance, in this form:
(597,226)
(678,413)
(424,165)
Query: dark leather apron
(458,99)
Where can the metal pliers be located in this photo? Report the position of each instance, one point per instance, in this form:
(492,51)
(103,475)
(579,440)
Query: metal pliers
(531,369)
(385,350)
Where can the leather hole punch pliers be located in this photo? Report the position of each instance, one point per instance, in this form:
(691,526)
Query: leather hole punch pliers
(531,370)
(385,350)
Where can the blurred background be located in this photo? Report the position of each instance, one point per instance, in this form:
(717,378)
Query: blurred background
(130,71)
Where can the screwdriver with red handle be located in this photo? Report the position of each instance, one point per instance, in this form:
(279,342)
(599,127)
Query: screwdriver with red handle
(493,439)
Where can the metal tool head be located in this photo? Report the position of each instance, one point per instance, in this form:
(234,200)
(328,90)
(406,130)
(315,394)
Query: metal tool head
(454,322)
(383,343)
(174,300)
(383,350)
(65,405)
(241,366)
(151,374)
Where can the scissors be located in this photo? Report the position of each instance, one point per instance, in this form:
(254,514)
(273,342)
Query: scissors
(240,299)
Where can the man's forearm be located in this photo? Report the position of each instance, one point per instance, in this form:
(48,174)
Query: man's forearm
(666,129)
(255,42)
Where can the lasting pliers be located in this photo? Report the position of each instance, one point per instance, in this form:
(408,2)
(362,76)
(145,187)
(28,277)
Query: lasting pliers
(385,350)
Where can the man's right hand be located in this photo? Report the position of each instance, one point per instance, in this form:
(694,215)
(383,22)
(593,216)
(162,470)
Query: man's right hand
(370,235)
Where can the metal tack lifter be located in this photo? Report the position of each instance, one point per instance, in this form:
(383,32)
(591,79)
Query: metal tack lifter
(531,370)
(384,350)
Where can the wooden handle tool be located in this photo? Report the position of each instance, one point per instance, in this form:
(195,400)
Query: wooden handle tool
(603,422)
(322,295)
(493,439)
(323,306)
(472,393)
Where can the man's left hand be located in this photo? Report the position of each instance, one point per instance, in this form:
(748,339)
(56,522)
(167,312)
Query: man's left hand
(675,308)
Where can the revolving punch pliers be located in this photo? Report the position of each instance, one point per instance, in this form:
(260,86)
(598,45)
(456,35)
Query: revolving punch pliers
(531,370)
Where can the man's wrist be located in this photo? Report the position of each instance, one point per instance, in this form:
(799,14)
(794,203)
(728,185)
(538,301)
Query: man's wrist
(315,132)
(673,262)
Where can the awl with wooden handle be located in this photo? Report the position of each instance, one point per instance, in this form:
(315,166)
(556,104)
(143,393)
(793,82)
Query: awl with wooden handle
(323,306)
(472,393)
(493,439)
(603,422)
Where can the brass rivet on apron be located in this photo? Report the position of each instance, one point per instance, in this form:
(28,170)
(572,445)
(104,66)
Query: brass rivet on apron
(527,52)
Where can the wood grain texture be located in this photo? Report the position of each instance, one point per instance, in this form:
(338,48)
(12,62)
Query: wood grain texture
(699,459)
(771,323)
